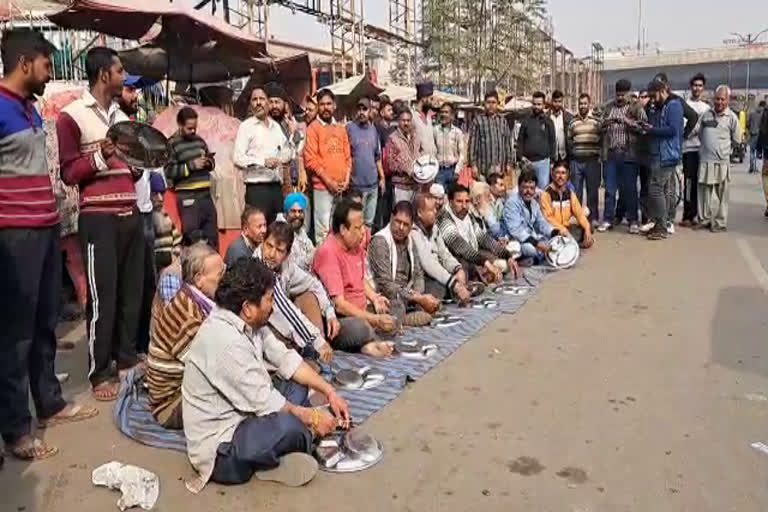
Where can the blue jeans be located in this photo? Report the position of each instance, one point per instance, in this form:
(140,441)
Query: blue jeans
(323,202)
(446,175)
(587,173)
(543,170)
(370,199)
(620,173)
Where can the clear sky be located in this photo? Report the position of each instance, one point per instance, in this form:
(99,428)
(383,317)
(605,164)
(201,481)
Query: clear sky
(673,24)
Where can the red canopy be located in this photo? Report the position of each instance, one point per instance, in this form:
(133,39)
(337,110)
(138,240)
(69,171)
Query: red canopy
(132,19)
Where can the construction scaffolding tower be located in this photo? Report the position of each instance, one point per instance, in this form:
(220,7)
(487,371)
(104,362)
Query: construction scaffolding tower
(405,22)
(347,37)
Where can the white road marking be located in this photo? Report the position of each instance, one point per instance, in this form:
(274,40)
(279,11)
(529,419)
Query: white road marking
(753,263)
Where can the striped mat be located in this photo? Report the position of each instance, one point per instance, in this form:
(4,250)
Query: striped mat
(133,417)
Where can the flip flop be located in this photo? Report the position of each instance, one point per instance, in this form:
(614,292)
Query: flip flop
(70,414)
(106,391)
(33,450)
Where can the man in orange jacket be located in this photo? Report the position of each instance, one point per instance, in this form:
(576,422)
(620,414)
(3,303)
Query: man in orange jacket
(560,205)
(327,156)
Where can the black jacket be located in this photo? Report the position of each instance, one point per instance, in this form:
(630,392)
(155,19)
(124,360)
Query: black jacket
(762,138)
(691,116)
(536,140)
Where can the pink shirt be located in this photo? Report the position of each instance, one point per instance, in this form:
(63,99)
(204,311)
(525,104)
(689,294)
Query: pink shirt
(342,272)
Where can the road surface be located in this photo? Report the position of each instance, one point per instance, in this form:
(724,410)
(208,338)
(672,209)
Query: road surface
(634,382)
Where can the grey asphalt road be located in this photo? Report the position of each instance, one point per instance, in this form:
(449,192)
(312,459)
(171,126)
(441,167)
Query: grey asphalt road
(634,382)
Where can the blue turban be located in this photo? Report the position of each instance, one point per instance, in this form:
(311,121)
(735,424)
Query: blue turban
(295,198)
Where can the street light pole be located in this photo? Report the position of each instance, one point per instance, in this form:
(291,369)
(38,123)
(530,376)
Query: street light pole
(749,40)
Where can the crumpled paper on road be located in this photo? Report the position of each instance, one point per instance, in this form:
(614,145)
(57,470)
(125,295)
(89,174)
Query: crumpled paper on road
(138,486)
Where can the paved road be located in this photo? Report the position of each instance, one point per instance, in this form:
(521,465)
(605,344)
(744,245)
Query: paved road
(635,382)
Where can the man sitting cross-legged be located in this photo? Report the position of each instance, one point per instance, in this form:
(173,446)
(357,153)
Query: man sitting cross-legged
(239,421)
(174,325)
(474,247)
(340,265)
(524,221)
(254,227)
(443,275)
(397,271)
(562,208)
(299,288)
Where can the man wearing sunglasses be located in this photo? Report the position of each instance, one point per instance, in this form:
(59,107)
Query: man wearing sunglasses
(691,147)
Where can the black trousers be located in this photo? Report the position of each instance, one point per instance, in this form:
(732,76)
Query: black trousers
(30,286)
(266,196)
(198,213)
(643,172)
(691,184)
(150,280)
(384,206)
(113,250)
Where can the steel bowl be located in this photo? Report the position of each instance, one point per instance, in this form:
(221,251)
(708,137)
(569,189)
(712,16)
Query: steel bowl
(511,289)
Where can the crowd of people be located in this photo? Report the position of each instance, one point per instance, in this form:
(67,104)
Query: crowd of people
(341,247)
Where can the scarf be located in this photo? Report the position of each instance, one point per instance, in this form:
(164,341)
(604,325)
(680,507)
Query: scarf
(386,234)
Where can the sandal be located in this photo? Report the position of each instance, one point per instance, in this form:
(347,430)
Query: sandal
(106,391)
(30,449)
(70,414)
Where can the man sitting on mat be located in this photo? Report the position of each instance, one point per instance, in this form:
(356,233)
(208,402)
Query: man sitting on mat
(562,208)
(174,325)
(297,288)
(397,271)
(340,265)
(240,421)
(254,227)
(443,275)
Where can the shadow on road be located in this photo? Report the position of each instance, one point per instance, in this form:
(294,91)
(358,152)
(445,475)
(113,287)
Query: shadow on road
(739,330)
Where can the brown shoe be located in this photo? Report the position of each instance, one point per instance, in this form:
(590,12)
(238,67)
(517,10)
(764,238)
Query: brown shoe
(685,223)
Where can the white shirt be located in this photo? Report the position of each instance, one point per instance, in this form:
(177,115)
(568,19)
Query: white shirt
(559,134)
(257,141)
(425,132)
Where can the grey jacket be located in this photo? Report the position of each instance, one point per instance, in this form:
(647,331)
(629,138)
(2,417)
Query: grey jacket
(436,260)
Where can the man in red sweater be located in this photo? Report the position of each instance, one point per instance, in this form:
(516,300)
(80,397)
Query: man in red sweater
(30,257)
(110,226)
(328,157)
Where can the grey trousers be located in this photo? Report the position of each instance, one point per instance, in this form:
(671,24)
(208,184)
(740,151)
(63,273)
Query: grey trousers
(658,190)
(713,204)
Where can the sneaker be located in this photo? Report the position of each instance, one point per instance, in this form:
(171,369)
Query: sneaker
(605,226)
(634,229)
(647,227)
(671,228)
(596,224)
(294,470)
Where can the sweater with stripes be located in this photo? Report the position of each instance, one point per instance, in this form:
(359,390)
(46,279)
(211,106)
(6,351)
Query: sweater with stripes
(26,193)
(181,171)
(173,327)
(106,185)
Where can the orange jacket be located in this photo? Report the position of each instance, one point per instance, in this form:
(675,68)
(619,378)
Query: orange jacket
(559,208)
(327,153)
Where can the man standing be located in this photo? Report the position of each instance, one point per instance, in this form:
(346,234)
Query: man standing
(584,145)
(401,151)
(189,172)
(691,147)
(763,143)
(367,172)
(385,126)
(719,131)
(328,157)
(561,120)
(423,129)
(449,141)
(666,153)
(110,227)
(753,129)
(30,257)
(491,144)
(261,150)
(536,140)
(620,169)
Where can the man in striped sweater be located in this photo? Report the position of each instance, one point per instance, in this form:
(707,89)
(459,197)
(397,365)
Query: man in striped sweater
(30,258)
(174,326)
(189,172)
(110,227)
(585,149)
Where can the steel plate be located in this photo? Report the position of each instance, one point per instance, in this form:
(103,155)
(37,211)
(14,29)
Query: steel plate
(350,379)
(485,304)
(139,144)
(511,289)
(564,252)
(348,452)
